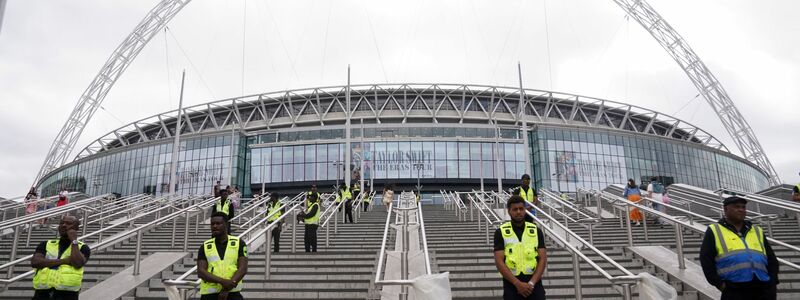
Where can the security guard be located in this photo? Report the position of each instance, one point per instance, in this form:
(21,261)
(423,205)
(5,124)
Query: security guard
(367,199)
(311,220)
(356,189)
(527,193)
(736,256)
(343,194)
(59,263)
(221,263)
(519,254)
(313,191)
(224,206)
(274,213)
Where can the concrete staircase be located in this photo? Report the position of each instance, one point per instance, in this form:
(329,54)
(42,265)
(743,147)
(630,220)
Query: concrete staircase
(342,270)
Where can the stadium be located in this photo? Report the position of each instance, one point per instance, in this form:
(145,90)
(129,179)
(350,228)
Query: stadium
(443,136)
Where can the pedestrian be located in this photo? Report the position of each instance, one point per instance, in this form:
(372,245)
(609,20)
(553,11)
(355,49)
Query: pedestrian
(217,189)
(59,263)
(221,262)
(417,197)
(388,196)
(224,206)
(367,200)
(655,191)
(519,254)
(233,193)
(796,198)
(31,201)
(311,220)
(633,194)
(736,256)
(276,210)
(62,198)
(527,193)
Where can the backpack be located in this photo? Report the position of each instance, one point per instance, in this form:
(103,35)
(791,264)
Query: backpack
(658,188)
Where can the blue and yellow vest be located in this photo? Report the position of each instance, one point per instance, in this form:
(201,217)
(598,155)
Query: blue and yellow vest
(739,258)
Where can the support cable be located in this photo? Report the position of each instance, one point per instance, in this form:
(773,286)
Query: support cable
(169,77)
(244,39)
(375,42)
(199,75)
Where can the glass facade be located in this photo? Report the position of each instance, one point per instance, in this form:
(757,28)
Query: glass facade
(562,158)
(565,158)
(201,162)
(387,160)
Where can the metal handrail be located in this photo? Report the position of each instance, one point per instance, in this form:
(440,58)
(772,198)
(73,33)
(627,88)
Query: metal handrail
(679,224)
(761,199)
(106,243)
(404,256)
(481,204)
(566,204)
(624,281)
(686,195)
(382,253)
(36,200)
(424,239)
(181,281)
(51,212)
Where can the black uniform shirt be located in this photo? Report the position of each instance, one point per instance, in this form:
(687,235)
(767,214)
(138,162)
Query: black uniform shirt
(221,246)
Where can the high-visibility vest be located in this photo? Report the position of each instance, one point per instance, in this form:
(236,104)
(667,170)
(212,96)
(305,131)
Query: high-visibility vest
(739,258)
(417,196)
(520,256)
(343,194)
(309,194)
(276,209)
(530,196)
(222,268)
(224,208)
(65,278)
(356,187)
(315,218)
(367,198)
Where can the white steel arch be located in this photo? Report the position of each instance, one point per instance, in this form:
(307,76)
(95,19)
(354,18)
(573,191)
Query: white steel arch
(641,11)
(93,96)
(705,82)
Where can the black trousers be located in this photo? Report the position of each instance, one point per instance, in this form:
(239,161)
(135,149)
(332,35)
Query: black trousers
(276,238)
(310,237)
(52,294)
(348,211)
(510,292)
(231,296)
(750,293)
(366,205)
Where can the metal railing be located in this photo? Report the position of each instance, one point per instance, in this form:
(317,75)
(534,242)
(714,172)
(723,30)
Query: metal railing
(51,212)
(583,219)
(250,236)
(331,212)
(20,206)
(624,281)
(100,245)
(678,223)
(360,202)
(404,206)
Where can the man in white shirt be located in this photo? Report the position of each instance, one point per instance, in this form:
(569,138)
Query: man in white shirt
(655,191)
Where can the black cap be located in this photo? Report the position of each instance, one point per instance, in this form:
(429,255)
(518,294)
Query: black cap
(733,199)
(526,176)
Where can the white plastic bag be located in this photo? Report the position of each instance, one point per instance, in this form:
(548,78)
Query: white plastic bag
(433,287)
(653,288)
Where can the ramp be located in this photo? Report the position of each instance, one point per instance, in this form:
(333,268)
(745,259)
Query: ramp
(666,260)
(123,282)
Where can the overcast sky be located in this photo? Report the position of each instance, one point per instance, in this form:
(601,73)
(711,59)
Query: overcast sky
(51,50)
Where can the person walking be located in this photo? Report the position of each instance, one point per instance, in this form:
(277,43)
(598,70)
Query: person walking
(62,198)
(527,193)
(655,191)
(736,256)
(796,198)
(221,262)
(520,254)
(217,189)
(31,201)
(388,196)
(633,194)
(224,206)
(275,212)
(59,263)
(311,220)
(367,200)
